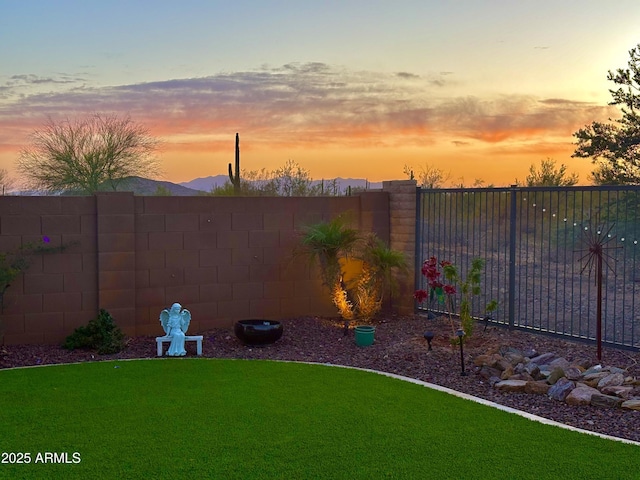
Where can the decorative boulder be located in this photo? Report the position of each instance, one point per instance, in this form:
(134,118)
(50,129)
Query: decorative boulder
(561,389)
(581,395)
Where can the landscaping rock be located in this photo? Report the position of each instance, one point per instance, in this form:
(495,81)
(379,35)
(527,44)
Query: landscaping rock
(573,373)
(494,380)
(587,377)
(514,358)
(593,369)
(605,401)
(633,404)
(581,395)
(507,350)
(622,391)
(544,359)
(511,386)
(485,360)
(507,373)
(488,372)
(556,374)
(502,364)
(611,379)
(561,389)
(577,383)
(561,362)
(532,369)
(523,376)
(543,373)
(537,388)
(583,363)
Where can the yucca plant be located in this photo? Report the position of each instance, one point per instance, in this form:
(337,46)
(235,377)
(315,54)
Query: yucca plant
(384,262)
(330,243)
(327,243)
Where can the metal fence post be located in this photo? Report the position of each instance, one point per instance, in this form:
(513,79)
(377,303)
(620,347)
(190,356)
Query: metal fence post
(512,255)
(419,239)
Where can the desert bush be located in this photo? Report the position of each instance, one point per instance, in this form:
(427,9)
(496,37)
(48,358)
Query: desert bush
(101,334)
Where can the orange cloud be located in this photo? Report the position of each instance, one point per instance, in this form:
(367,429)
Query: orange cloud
(313,111)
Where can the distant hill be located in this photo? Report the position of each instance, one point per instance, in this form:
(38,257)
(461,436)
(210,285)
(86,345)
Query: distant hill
(146,186)
(197,186)
(137,185)
(206,184)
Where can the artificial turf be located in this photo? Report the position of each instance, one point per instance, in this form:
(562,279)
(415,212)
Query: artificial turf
(209,418)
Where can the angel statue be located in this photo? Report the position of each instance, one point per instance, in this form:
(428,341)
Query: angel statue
(175,324)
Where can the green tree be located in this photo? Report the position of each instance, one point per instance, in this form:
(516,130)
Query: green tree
(615,147)
(549,175)
(87,155)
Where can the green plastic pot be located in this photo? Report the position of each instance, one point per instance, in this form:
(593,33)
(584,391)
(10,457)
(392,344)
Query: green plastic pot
(364,335)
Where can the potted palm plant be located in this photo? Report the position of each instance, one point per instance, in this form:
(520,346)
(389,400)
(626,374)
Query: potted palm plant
(331,244)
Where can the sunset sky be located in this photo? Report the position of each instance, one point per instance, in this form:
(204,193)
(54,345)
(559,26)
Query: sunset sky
(345,88)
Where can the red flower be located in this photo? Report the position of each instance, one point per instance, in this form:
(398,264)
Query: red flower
(450,289)
(420,295)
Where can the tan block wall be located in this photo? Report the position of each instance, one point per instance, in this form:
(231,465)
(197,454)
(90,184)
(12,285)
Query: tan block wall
(59,292)
(223,258)
(402,219)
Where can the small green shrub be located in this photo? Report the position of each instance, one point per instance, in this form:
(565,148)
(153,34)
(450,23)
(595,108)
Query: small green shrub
(101,334)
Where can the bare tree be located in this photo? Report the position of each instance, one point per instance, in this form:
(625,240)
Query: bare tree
(292,180)
(6,182)
(428,176)
(87,155)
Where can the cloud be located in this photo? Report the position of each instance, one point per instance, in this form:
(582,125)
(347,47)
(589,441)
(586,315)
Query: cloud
(36,80)
(297,104)
(516,117)
(407,75)
(18,87)
(563,101)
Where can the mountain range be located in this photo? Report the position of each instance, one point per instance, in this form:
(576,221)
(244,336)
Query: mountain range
(198,186)
(206,184)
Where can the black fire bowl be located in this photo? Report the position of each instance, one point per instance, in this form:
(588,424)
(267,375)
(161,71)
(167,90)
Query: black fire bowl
(258,332)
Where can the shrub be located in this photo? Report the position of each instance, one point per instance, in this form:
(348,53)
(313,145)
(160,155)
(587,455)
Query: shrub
(332,244)
(101,334)
(444,285)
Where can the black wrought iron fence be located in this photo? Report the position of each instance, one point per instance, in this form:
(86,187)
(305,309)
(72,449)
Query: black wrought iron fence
(534,243)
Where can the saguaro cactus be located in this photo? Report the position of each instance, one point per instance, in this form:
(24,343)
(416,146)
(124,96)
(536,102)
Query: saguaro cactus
(235,179)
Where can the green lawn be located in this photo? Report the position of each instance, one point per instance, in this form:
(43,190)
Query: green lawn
(207,418)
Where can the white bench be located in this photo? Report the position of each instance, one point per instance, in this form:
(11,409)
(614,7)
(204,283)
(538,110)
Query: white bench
(187,338)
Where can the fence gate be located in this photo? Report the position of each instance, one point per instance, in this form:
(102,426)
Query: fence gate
(536,243)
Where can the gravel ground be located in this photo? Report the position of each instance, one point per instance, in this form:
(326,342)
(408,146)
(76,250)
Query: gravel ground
(399,348)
